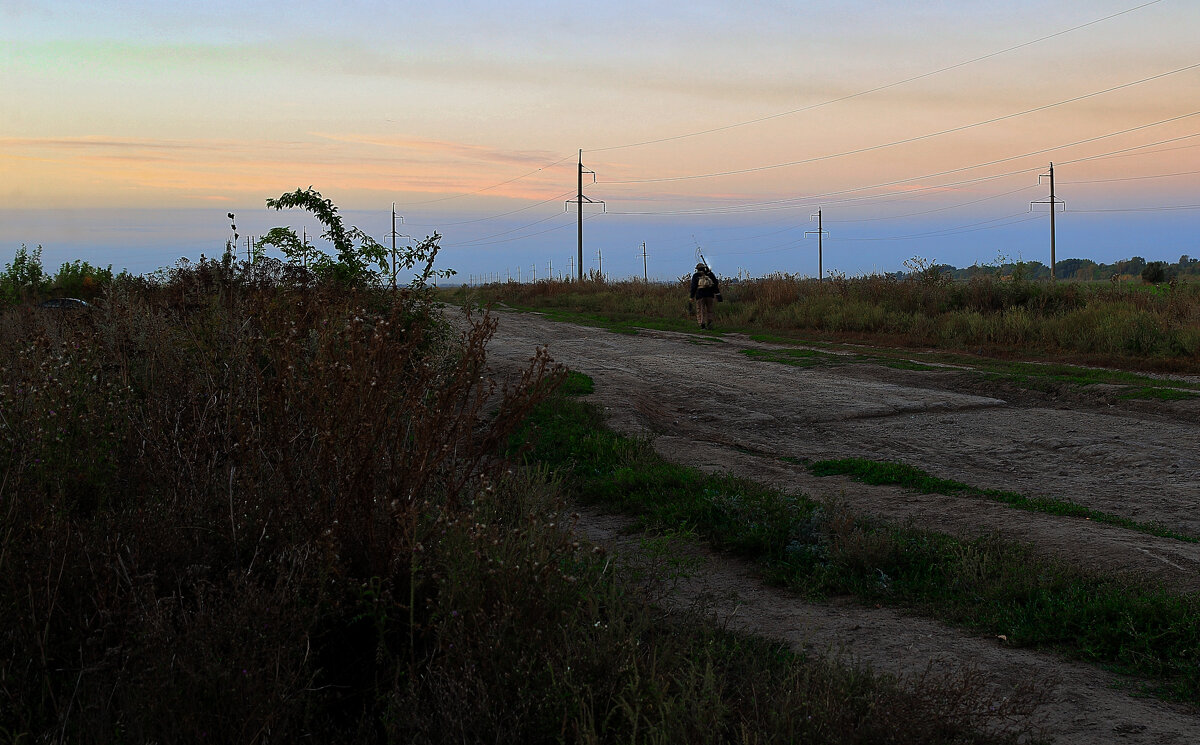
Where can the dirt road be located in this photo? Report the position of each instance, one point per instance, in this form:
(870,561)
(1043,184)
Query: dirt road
(706,403)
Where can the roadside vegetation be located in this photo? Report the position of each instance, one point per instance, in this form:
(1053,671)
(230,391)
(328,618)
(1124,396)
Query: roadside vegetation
(988,585)
(1130,325)
(258,502)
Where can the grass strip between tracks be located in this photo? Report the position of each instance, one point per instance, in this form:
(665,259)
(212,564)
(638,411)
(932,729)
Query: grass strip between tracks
(987,585)
(901,474)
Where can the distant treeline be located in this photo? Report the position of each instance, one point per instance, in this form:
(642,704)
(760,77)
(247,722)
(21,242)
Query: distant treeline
(1081,269)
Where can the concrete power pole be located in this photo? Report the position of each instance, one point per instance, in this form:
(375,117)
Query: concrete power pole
(579,201)
(1053,201)
(820,232)
(645,271)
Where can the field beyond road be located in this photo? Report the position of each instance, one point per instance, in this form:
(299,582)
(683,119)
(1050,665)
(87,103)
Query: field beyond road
(765,411)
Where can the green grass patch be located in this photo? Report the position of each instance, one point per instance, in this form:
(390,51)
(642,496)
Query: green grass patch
(797,357)
(989,585)
(901,474)
(1161,394)
(1030,375)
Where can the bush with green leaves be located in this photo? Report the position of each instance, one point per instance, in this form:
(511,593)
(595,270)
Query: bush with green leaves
(23,278)
(360,258)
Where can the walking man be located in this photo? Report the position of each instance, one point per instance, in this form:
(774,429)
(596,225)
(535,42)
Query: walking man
(705,291)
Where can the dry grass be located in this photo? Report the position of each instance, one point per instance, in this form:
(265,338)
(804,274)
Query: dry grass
(1120,324)
(241,506)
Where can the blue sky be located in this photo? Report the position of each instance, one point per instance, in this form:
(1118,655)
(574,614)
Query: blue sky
(131,128)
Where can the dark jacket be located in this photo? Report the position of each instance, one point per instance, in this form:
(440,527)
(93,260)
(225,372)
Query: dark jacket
(699,292)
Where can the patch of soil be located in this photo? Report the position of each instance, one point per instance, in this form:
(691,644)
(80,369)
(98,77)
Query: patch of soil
(709,405)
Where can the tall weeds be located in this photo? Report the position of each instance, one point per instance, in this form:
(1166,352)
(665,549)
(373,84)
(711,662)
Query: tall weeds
(210,482)
(1125,325)
(242,505)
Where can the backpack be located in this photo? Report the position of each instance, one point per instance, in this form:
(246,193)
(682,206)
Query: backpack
(704,282)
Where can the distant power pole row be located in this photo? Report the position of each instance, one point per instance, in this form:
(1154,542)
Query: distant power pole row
(576,265)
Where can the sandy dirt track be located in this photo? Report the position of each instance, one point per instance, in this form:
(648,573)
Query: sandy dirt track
(707,404)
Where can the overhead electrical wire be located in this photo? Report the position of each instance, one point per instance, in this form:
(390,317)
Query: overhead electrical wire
(511,230)
(795,202)
(907,140)
(946,232)
(488,188)
(1131,178)
(492,217)
(772,204)
(1168,208)
(938,209)
(881,87)
(481,242)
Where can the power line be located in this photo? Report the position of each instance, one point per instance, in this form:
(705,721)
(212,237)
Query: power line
(907,140)
(1132,178)
(519,237)
(792,203)
(1170,208)
(490,217)
(511,230)
(486,188)
(878,88)
(938,209)
(957,230)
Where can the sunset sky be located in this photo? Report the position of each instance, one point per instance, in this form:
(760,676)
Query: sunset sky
(129,129)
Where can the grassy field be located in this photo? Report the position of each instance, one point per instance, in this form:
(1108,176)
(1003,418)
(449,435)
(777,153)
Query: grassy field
(244,505)
(1127,325)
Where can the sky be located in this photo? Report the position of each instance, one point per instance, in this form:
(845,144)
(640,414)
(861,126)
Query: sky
(130,129)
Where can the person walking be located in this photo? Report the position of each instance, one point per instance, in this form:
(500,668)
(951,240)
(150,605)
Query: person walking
(705,291)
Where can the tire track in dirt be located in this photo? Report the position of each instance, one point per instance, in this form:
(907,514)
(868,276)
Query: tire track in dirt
(706,404)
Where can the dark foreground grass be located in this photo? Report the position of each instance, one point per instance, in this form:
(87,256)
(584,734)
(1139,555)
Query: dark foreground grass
(987,585)
(901,474)
(245,507)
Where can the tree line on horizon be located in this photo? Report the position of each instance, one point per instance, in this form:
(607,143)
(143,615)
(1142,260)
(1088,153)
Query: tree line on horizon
(1078,269)
(24,278)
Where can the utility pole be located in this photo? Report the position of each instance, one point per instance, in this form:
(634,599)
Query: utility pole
(570,268)
(581,200)
(820,231)
(550,269)
(645,271)
(518,274)
(1053,202)
(395,235)
(600,261)
(533,272)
